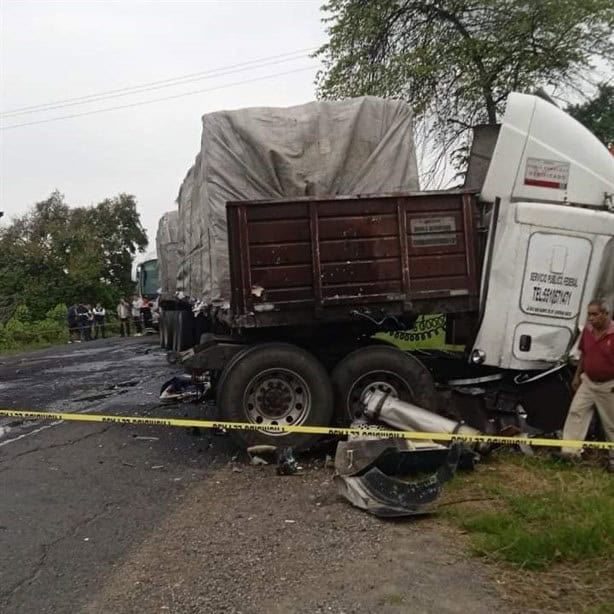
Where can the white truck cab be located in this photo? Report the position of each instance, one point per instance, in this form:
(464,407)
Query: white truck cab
(551,240)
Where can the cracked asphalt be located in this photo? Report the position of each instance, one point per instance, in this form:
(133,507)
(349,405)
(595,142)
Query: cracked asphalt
(76,497)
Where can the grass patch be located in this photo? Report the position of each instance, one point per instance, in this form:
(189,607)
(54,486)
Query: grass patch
(532,514)
(539,512)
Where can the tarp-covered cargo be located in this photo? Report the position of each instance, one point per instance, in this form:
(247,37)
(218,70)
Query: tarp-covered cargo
(355,146)
(166,247)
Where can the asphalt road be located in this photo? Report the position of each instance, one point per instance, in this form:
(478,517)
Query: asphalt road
(76,497)
(98,518)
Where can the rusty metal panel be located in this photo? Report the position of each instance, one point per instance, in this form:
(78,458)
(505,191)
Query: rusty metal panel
(406,252)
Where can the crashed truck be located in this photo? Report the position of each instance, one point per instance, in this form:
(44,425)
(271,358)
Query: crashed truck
(301,233)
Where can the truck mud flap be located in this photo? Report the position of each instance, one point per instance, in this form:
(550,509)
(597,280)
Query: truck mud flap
(389,496)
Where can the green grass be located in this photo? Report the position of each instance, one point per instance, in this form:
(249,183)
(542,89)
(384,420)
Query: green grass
(535,512)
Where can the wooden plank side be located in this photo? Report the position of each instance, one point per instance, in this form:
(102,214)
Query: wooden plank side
(443,265)
(436,243)
(363,226)
(280,296)
(361,271)
(391,286)
(361,245)
(277,211)
(428,285)
(271,278)
(359,249)
(356,206)
(280,253)
(271,232)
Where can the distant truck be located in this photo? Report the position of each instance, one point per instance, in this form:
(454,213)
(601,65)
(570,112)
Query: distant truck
(147,279)
(511,260)
(147,287)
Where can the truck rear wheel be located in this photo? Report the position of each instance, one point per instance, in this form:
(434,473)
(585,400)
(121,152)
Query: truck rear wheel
(377,367)
(275,384)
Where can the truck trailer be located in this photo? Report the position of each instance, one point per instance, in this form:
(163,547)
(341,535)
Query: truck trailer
(511,259)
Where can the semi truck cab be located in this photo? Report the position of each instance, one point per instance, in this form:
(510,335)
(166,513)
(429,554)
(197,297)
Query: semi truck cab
(550,246)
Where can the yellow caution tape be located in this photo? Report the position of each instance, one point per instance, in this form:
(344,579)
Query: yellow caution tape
(310,430)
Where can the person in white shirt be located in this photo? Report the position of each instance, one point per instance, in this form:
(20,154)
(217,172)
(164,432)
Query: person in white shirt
(123,313)
(136,315)
(99,316)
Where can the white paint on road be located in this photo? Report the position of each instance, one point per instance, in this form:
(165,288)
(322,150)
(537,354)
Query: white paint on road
(24,435)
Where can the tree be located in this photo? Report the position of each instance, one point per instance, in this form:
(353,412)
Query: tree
(597,114)
(456,61)
(59,254)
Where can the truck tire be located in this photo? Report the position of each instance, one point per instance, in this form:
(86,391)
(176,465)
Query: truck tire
(378,367)
(275,384)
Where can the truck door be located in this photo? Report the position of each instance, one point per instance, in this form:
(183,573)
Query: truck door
(544,268)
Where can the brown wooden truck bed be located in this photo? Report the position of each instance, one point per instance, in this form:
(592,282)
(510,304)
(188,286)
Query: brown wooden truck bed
(310,260)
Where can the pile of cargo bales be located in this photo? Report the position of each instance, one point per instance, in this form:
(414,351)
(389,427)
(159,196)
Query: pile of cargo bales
(354,146)
(166,249)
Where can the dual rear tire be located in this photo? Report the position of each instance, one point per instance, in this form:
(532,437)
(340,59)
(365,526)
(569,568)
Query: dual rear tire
(280,384)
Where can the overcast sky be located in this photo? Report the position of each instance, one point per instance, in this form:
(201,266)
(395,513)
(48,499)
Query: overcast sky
(53,51)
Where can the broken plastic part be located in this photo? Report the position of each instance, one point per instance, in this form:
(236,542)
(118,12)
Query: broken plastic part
(386,495)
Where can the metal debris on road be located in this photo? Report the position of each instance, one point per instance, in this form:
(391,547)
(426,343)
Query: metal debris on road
(286,463)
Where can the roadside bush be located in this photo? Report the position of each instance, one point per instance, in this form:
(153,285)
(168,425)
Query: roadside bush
(22,331)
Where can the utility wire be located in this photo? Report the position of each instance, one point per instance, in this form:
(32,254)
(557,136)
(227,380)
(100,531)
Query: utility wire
(138,104)
(164,83)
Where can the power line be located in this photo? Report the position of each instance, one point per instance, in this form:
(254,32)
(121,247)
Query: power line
(145,102)
(164,83)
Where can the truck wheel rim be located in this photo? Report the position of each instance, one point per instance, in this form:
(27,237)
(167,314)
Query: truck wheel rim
(277,397)
(384,381)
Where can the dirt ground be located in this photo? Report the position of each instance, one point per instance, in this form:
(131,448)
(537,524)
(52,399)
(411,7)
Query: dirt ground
(248,541)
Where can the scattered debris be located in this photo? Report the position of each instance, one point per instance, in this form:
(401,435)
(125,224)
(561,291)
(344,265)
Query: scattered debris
(384,494)
(290,521)
(237,470)
(261,449)
(253,451)
(157,467)
(286,463)
(185,388)
(144,438)
(374,474)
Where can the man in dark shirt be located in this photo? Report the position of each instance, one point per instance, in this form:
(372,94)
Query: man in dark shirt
(594,379)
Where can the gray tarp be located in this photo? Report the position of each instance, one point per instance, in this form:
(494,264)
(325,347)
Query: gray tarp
(355,146)
(166,248)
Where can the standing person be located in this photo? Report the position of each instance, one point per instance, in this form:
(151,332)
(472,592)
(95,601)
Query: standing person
(90,322)
(145,313)
(84,322)
(136,315)
(72,319)
(593,381)
(123,313)
(99,316)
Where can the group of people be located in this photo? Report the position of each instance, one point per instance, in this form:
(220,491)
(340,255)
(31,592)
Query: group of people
(139,311)
(86,322)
